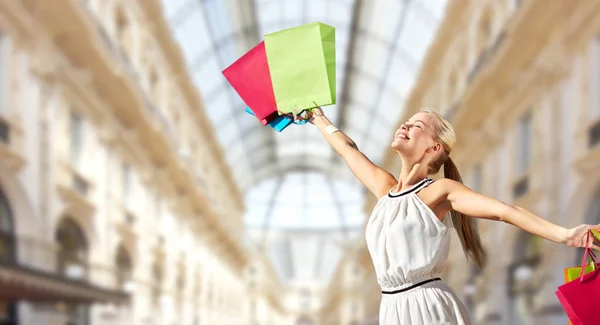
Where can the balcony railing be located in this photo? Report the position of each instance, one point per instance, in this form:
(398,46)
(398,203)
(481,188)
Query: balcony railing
(117,51)
(121,56)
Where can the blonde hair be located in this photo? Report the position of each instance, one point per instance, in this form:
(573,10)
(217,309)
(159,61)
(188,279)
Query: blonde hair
(464,225)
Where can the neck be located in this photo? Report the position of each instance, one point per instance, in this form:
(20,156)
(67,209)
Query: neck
(411,173)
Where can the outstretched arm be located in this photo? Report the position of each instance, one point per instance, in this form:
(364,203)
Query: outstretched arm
(464,200)
(377,180)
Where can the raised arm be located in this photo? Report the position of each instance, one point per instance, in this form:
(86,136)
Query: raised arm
(464,200)
(376,179)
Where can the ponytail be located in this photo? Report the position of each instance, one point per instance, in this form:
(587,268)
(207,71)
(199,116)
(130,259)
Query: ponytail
(464,225)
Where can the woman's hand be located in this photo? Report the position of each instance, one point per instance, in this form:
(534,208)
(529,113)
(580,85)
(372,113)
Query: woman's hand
(316,112)
(578,236)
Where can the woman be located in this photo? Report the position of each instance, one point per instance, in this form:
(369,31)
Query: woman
(407,233)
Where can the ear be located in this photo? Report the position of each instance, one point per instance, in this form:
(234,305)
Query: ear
(436,147)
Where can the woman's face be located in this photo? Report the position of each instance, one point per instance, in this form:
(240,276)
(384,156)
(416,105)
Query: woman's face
(416,136)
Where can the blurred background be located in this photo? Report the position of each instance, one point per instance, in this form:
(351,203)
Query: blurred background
(134,189)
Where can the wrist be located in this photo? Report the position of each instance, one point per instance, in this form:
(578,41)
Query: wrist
(564,234)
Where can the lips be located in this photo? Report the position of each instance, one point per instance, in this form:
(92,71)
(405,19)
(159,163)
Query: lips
(402,136)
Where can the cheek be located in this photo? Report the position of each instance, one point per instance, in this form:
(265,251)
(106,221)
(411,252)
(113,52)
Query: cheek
(420,142)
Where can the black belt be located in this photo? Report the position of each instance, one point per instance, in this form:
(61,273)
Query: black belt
(411,287)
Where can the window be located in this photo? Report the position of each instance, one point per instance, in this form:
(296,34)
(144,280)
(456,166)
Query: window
(521,283)
(126,171)
(594,53)
(157,286)
(484,32)
(7,244)
(518,3)
(124,270)
(121,27)
(157,207)
(72,251)
(4,71)
(525,144)
(153,87)
(476,178)
(452,87)
(180,283)
(76,139)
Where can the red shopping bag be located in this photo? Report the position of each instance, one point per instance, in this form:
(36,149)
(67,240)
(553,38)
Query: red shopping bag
(251,79)
(580,298)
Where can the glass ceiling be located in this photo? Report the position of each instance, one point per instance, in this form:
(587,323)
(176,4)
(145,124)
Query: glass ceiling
(298,191)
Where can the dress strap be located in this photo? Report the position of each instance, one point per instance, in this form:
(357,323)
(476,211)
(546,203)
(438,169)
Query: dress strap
(414,189)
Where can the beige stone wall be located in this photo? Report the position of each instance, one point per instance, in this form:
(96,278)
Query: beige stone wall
(493,63)
(147,179)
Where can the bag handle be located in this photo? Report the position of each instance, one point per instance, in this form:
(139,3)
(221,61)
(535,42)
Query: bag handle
(592,256)
(298,119)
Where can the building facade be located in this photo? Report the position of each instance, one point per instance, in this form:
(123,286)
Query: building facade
(519,82)
(114,208)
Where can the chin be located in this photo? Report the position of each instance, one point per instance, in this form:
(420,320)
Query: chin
(396,145)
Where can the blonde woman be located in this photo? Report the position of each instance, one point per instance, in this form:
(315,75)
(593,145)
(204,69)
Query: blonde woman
(407,233)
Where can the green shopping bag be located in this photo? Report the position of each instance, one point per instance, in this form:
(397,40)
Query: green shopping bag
(302,65)
(572,273)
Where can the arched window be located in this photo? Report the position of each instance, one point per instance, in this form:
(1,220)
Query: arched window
(124,269)
(484,32)
(470,288)
(73,250)
(158,279)
(196,298)
(181,282)
(521,285)
(8,310)
(122,27)
(7,232)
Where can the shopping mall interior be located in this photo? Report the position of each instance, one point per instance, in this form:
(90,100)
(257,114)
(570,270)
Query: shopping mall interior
(134,189)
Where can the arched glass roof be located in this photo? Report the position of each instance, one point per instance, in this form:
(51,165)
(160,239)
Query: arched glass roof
(380,45)
(304,200)
(303,221)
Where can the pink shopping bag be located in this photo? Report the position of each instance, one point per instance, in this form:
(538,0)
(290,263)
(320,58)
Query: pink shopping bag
(250,78)
(580,298)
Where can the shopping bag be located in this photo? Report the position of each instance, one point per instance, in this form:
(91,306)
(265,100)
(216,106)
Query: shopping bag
(278,123)
(580,297)
(572,273)
(302,65)
(250,78)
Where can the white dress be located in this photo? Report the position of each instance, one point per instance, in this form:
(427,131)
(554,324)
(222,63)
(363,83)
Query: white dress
(409,245)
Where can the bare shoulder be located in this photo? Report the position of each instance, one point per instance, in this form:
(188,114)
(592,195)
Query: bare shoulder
(445,186)
(436,195)
(386,185)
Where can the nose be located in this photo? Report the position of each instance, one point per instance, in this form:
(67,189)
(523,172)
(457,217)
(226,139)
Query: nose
(404,126)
